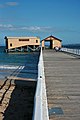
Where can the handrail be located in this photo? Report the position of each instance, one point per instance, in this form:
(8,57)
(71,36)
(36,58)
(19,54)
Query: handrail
(70,50)
(40,111)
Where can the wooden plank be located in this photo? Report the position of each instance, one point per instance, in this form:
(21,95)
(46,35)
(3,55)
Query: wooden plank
(62,74)
(20,78)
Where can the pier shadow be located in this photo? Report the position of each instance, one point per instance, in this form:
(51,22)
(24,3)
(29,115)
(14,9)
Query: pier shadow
(29,71)
(21,102)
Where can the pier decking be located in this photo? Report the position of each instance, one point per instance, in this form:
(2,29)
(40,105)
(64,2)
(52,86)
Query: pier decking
(62,75)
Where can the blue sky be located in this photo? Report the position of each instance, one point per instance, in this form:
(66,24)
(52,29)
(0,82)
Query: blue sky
(60,18)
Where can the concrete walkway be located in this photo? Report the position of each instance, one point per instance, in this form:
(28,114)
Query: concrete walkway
(62,74)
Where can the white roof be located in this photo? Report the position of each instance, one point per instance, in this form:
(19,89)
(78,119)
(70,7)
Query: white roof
(21,37)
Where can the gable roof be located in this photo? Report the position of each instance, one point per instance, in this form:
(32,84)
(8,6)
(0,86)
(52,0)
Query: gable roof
(52,37)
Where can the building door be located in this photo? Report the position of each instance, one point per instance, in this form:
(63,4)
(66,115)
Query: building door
(48,44)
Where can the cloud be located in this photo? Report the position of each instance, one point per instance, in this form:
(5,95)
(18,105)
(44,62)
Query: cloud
(35,28)
(5,27)
(44,29)
(24,28)
(11,3)
(32,28)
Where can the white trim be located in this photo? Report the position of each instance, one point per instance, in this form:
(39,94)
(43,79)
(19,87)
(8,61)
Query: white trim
(21,37)
(40,101)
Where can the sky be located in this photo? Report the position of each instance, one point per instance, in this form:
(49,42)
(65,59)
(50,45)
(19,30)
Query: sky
(42,18)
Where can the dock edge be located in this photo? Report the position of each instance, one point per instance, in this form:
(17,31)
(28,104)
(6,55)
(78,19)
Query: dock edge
(40,111)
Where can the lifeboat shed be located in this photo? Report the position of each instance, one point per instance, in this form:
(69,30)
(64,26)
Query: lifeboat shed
(52,42)
(22,44)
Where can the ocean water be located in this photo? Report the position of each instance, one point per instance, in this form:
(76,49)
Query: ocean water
(72,46)
(18,64)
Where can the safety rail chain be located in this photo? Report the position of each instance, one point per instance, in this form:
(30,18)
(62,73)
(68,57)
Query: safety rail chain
(70,50)
(40,111)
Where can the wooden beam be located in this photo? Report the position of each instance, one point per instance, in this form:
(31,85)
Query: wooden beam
(19,78)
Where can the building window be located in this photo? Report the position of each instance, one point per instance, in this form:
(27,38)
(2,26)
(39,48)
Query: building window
(23,39)
(10,44)
(36,41)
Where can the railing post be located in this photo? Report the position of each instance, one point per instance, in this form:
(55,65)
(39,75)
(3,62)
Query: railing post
(74,51)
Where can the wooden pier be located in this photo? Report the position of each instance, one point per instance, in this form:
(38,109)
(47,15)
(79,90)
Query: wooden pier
(62,75)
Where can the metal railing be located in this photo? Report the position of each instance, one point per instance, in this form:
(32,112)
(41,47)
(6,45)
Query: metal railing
(40,101)
(70,50)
